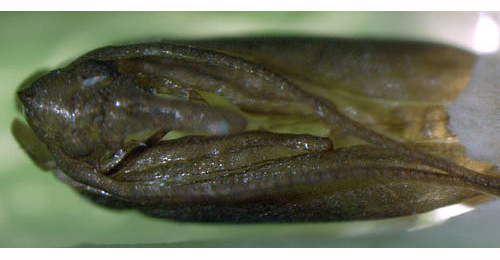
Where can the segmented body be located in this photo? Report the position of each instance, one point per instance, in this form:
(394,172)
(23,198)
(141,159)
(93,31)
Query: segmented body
(103,120)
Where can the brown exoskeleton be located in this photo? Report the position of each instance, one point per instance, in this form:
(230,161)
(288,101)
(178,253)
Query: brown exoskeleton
(100,124)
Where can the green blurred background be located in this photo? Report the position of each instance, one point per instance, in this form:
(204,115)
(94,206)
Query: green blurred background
(36,210)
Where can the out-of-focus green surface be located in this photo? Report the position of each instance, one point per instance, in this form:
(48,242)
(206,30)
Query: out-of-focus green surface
(36,210)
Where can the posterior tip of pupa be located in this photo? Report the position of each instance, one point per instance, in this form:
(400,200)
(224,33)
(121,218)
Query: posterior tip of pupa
(474,115)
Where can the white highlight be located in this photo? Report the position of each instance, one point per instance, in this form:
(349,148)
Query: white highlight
(486,35)
(440,215)
(93,80)
(445,213)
